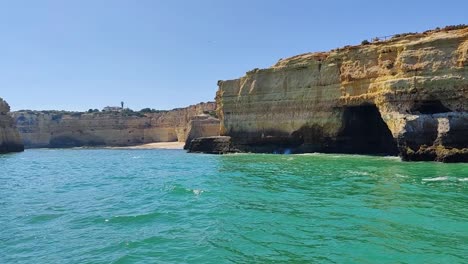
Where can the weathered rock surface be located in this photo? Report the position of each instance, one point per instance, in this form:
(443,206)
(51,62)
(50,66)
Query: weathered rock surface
(10,140)
(212,145)
(407,96)
(64,129)
(201,126)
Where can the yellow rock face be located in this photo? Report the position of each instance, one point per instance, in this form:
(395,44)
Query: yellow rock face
(417,83)
(201,126)
(10,140)
(55,129)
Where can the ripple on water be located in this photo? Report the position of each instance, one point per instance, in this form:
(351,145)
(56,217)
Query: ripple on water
(36,219)
(444,178)
(164,206)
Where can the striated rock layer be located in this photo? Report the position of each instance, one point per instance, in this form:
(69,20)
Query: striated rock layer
(67,129)
(201,126)
(407,96)
(10,140)
(212,145)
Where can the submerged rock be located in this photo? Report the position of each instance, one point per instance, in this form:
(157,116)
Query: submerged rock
(10,140)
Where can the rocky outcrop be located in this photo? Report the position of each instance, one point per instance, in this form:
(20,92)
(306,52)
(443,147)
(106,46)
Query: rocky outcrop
(212,145)
(201,126)
(10,140)
(73,129)
(407,96)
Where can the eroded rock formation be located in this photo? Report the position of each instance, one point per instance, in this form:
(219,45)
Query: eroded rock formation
(67,129)
(212,145)
(407,96)
(201,126)
(10,140)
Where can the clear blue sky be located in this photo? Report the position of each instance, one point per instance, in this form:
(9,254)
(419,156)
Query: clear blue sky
(81,54)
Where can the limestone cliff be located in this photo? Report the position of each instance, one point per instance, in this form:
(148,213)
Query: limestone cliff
(68,129)
(10,140)
(201,126)
(407,96)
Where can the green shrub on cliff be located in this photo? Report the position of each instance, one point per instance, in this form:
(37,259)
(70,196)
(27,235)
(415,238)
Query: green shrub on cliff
(211,113)
(453,27)
(151,110)
(146,110)
(56,117)
(404,34)
(130,112)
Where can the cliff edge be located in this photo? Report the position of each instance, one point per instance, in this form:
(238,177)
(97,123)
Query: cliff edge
(405,96)
(60,129)
(10,140)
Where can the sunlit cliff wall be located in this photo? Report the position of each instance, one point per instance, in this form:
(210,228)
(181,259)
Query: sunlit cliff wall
(10,140)
(407,96)
(65,129)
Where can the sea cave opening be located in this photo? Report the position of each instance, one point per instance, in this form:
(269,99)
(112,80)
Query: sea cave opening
(429,107)
(365,132)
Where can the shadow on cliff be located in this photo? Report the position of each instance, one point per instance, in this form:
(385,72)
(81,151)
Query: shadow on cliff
(70,142)
(362,131)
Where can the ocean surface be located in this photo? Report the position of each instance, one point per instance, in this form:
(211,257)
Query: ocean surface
(167,206)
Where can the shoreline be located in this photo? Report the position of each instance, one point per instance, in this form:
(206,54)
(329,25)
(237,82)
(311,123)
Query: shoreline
(156,145)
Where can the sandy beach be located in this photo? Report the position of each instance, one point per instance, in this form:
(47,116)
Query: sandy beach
(157,145)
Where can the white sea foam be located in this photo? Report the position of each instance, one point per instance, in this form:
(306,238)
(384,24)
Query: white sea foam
(310,154)
(444,178)
(197,192)
(463,179)
(392,157)
(353,172)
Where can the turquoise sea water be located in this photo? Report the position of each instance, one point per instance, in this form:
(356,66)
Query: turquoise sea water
(167,206)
